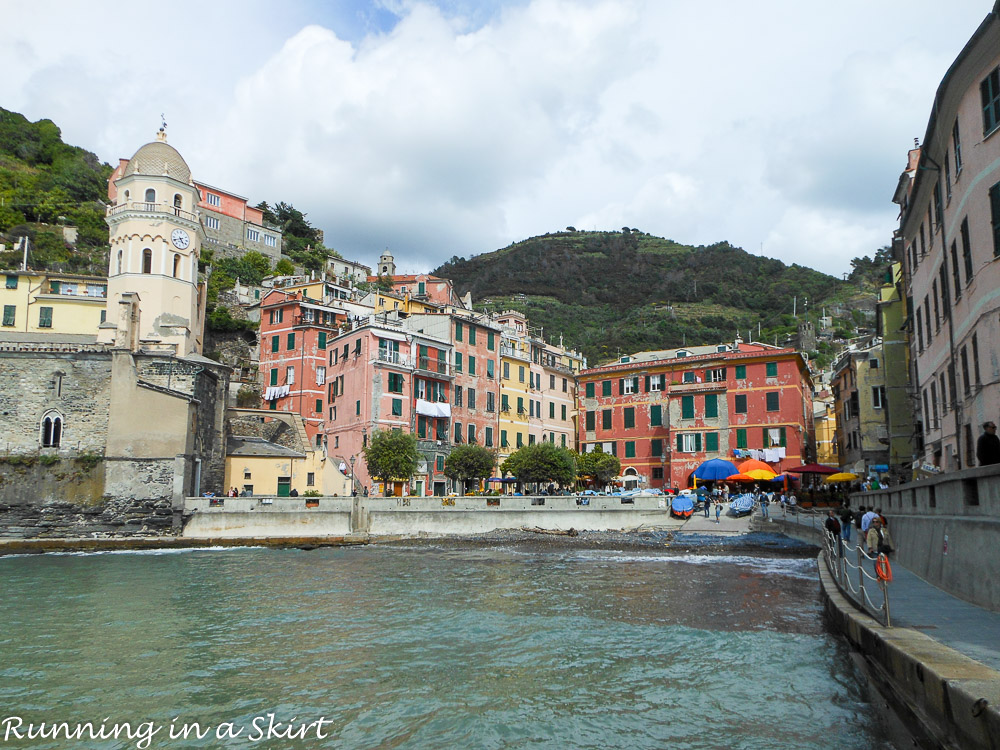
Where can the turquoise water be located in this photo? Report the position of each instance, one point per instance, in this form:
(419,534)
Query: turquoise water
(429,647)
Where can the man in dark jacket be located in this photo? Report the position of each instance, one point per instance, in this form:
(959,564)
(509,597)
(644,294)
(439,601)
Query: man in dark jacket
(833,527)
(988,447)
(846,521)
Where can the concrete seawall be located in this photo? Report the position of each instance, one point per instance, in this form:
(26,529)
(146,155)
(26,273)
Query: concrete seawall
(413,516)
(954,698)
(951,697)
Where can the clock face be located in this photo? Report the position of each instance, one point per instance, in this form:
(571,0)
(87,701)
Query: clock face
(180,239)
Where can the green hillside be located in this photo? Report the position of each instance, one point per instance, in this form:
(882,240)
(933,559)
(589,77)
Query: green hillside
(606,292)
(44,183)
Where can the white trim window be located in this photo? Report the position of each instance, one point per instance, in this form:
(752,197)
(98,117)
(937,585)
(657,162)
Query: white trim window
(688,444)
(212,199)
(211,222)
(320,375)
(270,240)
(253,235)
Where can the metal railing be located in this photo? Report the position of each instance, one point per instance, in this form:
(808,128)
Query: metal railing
(870,588)
(157,208)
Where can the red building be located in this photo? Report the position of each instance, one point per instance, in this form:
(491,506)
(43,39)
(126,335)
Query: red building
(295,335)
(663,413)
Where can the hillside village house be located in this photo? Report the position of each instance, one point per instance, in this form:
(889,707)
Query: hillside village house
(663,413)
(948,242)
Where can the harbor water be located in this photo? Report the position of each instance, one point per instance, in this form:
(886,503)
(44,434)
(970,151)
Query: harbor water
(451,646)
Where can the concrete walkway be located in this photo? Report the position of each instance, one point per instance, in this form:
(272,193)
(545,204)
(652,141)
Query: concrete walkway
(968,629)
(726,526)
(914,603)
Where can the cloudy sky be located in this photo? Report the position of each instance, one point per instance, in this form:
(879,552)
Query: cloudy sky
(454,127)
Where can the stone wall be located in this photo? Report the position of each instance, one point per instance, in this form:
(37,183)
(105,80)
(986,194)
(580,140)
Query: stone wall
(65,498)
(76,385)
(947,530)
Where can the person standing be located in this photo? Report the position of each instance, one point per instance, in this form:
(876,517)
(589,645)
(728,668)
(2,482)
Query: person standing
(764,502)
(846,521)
(718,511)
(988,446)
(833,528)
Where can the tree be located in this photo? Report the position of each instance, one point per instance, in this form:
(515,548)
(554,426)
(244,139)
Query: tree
(601,466)
(542,462)
(391,454)
(469,462)
(284,267)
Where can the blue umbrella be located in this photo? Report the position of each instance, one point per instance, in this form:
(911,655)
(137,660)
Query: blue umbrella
(715,469)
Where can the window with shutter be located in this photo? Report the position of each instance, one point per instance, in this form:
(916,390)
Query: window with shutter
(711,405)
(655,415)
(687,407)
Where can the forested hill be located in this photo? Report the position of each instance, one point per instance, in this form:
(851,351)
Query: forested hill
(611,292)
(43,183)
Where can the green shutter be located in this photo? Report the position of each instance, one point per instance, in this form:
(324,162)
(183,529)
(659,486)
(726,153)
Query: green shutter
(711,405)
(274,376)
(591,421)
(646,384)
(629,417)
(490,367)
(472,335)
(590,389)
(606,388)
(783,437)
(621,386)
(291,341)
(712,442)
(656,447)
(606,419)
(490,342)
(680,443)
(741,438)
(772,370)
(275,343)
(687,407)
(458,361)
(458,331)
(45,317)
(655,415)
(319,405)
(472,365)
(740,405)
(772,401)
(697,442)
(322,339)
(629,449)
(741,372)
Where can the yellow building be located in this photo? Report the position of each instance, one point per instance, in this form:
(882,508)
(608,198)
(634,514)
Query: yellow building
(515,384)
(46,302)
(257,465)
(825,425)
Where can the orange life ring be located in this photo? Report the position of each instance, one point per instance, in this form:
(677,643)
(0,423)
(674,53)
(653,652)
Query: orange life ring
(882,568)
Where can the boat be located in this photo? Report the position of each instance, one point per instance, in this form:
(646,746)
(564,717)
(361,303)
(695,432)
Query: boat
(682,506)
(741,505)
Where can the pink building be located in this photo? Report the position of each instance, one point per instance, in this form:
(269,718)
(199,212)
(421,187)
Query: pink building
(948,242)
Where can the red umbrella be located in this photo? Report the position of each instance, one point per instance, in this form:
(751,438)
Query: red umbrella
(813,469)
(739,478)
(752,464)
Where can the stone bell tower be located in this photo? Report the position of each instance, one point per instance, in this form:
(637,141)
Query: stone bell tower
(386,264)
(155,237)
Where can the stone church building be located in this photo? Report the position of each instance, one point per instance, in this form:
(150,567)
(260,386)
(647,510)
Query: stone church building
(133,412)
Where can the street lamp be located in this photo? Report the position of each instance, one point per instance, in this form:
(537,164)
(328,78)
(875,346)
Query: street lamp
(354,490)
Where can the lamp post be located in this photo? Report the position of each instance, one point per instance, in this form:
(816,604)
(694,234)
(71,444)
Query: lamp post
(354,490)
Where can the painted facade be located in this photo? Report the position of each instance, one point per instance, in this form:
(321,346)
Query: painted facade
(948,242)
(48,302)
(663,413)
(892,324)
(860,402)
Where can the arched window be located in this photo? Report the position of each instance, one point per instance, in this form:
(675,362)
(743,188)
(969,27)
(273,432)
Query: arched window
(177,265)
(150,195)
(147,261)
(52,424)
(119,261)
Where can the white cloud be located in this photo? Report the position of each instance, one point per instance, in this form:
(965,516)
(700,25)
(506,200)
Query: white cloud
(457,127)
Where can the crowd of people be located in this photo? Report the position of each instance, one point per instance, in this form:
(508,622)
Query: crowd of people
(871,526)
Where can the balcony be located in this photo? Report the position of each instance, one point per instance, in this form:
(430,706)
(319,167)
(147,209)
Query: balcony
(514,353)
(150,208)
(440,367)
(392,358)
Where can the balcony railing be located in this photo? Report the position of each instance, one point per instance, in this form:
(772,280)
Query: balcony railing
(393,358)
(153,208)
(514,352)
(430,364)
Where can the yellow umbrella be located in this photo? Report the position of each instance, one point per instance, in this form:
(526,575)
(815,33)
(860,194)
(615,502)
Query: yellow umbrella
(761,474)
(843,476)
